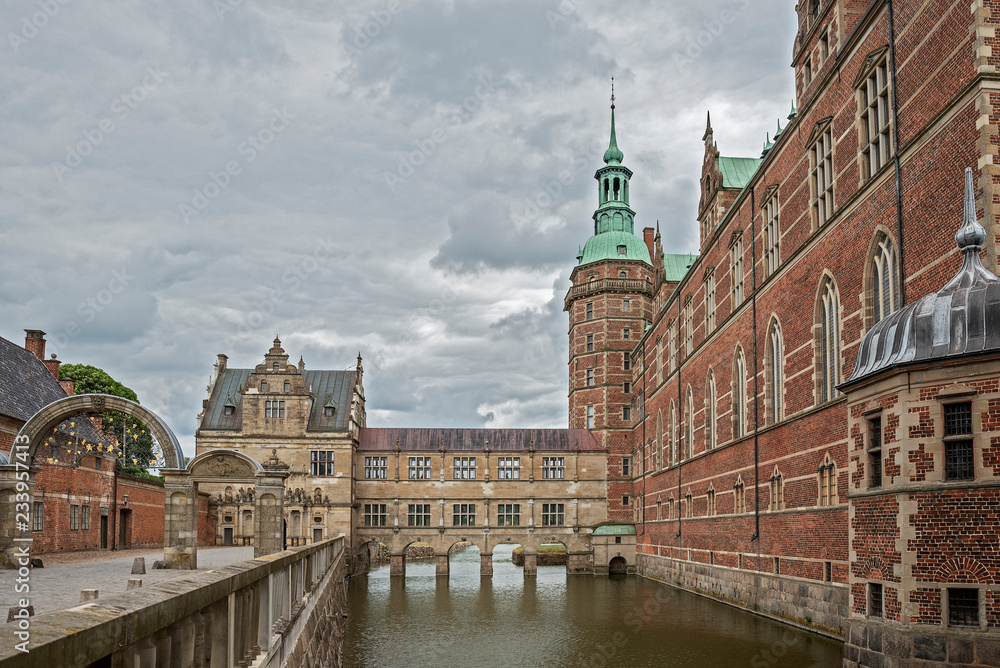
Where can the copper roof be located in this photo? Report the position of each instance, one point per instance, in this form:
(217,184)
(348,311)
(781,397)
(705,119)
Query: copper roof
(499,440)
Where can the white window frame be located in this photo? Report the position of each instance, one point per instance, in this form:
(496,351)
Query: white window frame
(509,468)
(772,236)
(736,265)
(321,463)
(376,468)
(419,468)
(554,468)
(874,121)
(822,177)
(464,468)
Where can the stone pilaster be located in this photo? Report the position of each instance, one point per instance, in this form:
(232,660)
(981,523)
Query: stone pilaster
(269,515)
(443,564)
(180,522)
(530,563)
(486,565)
(397,564)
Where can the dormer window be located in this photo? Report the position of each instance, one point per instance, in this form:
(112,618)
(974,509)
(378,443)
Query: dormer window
(622,249)
(230,410)
(288,386)
(275,366)
(328,411)
(263,386)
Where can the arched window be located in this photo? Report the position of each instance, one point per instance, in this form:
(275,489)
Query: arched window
(659,440)
(773,374)
(617,189)
(607,188)
(739,394)
(275,366)
(288,386)
(777,501)
(828,342)
(622,274)
(710,411)
(883,278)
(263,386)
(689,423)
(672,436)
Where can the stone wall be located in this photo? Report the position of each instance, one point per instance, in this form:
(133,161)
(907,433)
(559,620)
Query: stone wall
(320,640)
(875,645)
(818,606)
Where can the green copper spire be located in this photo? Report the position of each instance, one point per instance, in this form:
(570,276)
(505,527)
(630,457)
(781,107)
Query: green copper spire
(613,156)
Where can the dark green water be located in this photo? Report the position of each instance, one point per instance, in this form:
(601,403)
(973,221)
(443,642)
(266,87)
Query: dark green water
(557,621)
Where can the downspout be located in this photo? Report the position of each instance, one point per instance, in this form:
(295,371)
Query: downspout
(895,154)
(679,413)
(756,409)
(643,442)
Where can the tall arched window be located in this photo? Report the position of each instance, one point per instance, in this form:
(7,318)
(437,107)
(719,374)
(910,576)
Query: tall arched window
(828,343)
(689,423)
(288,386)
(672,436)
(883,278)
(659,440)
(710,411)
(263,386)
(773,370)
(739,394)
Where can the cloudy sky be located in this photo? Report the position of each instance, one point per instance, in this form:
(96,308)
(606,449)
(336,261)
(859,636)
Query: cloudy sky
(184,178)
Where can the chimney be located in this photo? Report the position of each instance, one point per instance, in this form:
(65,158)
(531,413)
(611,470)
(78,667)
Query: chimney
(34,343)
(67,386)
(53,366)
(648,238)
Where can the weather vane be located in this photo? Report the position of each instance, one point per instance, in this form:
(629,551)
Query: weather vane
(612,92)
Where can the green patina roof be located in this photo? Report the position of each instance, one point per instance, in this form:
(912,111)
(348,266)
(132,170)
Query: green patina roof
(676,265)
(604,246)
(737,172)
(615,530)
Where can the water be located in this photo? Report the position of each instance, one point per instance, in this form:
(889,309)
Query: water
(557,621)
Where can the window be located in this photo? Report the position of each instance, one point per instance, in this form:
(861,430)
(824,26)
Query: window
(626,334)
(660,462)
(828,571)
(670,508)
(622,248)
(508,514)
(689,423)
(824,46)
(553,515)
(883,279)
(623,274)
(827,483)
(821,161)
(875,452)
(274,366)
(807,70)
(773,375)
(689,505)
(420,468)
(590,377)
(874,599)
(710,411)
(85,517)
(627,387)
(509,468)
(739,393)
(688,328)
(777,491)
(229,410)
(829,343)
(375,468)
(554,467)
(874,121)
(626,467)
(590,417)
(958,441)
(590,343)
(736,266)
(464,469)
(626,304)
(263,386)
(710,497)
(673,454)
(777,565)
(710,303)
(74,517)
(37,516)
(671,347)
(464,515)
(740,497)
(772,236)
(626,413)
(274,409)
(328,411)
(963,607)
(626,361)
(590,310)
(418,515)
(625,499)
(321,463)
(375,515)
(288,386)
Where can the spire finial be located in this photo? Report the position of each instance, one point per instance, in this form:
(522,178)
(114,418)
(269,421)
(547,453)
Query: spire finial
(612,93)
(971,236)
(613,156)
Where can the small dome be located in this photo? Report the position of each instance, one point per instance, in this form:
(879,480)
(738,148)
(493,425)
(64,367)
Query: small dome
(962,318)
(615,245)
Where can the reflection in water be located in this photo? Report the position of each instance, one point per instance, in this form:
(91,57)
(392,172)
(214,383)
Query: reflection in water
(557,621)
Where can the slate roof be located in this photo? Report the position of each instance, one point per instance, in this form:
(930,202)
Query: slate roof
(676,265)
(737,172)
(26,386)
(500,440)
(336,386)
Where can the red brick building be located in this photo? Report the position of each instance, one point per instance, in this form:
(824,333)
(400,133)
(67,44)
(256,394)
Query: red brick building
(80,505)
(726,426)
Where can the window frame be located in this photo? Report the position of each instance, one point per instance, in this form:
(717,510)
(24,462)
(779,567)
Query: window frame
(463,515)
(508,468)
(321,464)
(959,443)
(418,515)
(553,514)
(874,119)
(375,515)
(418,467)
(772,236)
(463,468)
(508,514)
(376,465)
(822,176)
(553,468)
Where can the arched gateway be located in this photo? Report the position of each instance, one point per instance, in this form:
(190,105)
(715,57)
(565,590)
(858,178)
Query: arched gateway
(180,484)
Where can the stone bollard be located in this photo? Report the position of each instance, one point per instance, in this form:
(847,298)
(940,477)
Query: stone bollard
(158,564)
(17,612)
(88,595)
(134,583)
(37,563)
(139,566)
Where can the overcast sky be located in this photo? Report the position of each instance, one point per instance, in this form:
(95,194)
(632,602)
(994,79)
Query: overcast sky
(185,178)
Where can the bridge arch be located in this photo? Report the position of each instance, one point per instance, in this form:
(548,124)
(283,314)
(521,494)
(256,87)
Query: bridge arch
(46,419)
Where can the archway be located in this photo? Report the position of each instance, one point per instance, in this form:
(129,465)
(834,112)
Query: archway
(618,566)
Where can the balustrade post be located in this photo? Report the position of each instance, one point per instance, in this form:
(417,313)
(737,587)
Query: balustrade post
(145,653)
(163,643)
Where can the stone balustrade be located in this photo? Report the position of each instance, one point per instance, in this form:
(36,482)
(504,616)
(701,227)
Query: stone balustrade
(266,612)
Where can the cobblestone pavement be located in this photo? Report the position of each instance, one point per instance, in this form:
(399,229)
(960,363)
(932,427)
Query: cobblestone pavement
(58,584)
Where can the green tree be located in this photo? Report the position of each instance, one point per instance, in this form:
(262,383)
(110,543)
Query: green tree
(133,436)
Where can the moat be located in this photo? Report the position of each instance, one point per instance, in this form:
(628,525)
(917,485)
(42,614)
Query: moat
(558,621)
